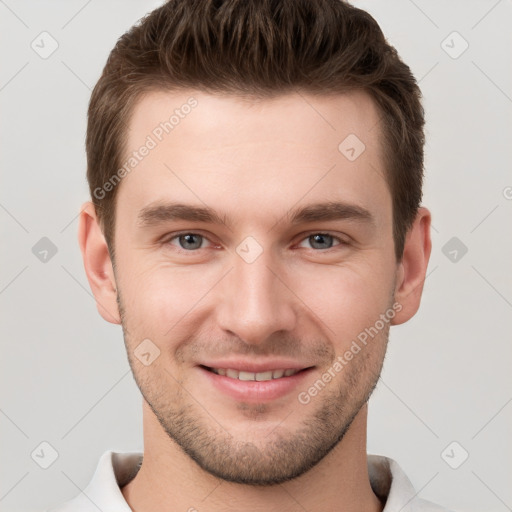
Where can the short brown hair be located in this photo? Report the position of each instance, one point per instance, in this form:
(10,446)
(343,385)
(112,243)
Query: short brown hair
(258,48)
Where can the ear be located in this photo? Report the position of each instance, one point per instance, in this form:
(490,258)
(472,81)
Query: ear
(97,263)
(413,267)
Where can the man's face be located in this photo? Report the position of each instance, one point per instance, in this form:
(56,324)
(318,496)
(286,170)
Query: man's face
(259,287)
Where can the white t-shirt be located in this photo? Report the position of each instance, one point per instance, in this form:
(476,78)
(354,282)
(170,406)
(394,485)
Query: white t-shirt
(115,470)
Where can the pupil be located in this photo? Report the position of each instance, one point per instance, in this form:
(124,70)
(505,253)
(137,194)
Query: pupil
(321,239)
(188,241)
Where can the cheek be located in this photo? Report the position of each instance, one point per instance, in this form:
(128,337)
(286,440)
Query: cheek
(345,300)
(166,303)
(160,300)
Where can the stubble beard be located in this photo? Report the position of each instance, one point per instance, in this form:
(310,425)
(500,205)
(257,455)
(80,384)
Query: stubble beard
(281,455)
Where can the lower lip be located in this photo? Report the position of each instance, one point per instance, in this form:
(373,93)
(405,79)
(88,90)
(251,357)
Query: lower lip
(255,391)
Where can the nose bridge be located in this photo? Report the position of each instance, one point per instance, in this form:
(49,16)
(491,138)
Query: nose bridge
(255,302)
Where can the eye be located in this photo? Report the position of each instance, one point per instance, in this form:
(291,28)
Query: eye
(188,241)
(321,241)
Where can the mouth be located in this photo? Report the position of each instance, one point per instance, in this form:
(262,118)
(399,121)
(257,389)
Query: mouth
(255,386)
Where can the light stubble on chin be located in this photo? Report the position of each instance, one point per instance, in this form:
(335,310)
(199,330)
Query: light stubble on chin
(279,456)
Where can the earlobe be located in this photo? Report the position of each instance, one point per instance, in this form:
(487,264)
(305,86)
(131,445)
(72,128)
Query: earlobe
(413,267)
(97,264)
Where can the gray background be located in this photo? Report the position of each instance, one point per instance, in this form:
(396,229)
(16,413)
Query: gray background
(65,375)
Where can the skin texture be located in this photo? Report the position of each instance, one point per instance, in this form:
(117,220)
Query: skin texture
(306,299)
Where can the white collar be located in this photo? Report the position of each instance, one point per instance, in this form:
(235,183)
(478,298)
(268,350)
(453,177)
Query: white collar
(115,470)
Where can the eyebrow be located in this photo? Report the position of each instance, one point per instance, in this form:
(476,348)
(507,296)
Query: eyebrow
(155,214)
(332,210)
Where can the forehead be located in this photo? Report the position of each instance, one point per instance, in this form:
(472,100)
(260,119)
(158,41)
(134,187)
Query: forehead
(221,118)
(248,154)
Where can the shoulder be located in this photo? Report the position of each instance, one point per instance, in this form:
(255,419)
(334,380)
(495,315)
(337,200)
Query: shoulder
(428,506)
(104,490)
(78,504)
(390,483)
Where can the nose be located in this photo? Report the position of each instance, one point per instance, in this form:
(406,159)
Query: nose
(255,302)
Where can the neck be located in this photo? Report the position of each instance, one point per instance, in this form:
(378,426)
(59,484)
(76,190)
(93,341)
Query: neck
(170,480)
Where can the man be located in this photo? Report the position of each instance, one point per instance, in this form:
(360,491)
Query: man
(255,227)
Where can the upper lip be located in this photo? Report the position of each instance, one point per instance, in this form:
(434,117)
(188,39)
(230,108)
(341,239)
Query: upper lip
(256,366)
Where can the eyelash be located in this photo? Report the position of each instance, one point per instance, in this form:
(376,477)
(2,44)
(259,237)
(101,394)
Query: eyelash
(341,241)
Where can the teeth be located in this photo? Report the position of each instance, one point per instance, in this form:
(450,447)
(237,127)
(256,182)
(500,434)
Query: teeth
(259,376)
(232,373)
(263,376)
